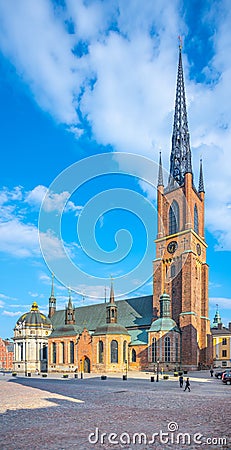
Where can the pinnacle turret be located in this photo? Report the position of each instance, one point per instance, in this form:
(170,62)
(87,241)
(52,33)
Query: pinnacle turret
(180,160)
(111,307)
(160,173)
(112,295)
(201,179)
(52,299)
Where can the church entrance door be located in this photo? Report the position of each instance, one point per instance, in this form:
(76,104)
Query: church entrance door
(87,365)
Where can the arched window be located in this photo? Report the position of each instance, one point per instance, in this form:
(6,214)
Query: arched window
(133,355)
(44,352)
(100,348)
(62,360)
(174,218)
(173,271)
(167,349)
(71,352)
(54,352)
(177,348)
(153,349)
(112,313)
(196,223)
(114,351)
(124,351)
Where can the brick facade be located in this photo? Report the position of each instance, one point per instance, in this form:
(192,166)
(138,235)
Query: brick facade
(6,354)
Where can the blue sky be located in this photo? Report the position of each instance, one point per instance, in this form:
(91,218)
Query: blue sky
(87,78)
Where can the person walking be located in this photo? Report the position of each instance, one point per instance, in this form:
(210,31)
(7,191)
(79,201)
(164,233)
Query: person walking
(181,380)
(187,385)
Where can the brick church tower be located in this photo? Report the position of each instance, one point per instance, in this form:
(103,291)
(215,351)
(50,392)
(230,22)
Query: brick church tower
(180,266)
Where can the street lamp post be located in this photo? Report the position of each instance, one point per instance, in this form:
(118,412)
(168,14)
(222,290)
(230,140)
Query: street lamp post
(126,367)
(157,371)
(81,369)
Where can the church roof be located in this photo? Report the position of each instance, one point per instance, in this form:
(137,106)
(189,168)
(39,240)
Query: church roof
(164,324)
(138,336)
(134,312)
(110,328)
(65,330)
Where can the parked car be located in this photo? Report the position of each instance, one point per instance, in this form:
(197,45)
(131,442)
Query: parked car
(226,377)
(219,374)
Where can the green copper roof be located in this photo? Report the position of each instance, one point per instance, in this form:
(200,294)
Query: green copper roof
(110,328)
(131,312)
(65,330)
(138,337)
(164,324)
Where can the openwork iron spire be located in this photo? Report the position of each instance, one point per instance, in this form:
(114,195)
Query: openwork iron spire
(180,160)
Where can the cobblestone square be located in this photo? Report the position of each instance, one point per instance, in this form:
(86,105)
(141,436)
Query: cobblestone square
(56,413)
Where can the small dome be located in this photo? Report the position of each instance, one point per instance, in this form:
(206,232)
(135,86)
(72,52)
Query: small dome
(164,324)
(110,328)
(34,318)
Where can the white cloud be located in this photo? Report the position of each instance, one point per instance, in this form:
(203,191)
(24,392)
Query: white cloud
(50,201)
(12,314)
(222,302)
(131,56)
(19,239)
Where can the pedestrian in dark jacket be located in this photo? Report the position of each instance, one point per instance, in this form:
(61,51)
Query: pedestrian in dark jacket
(181,380)
(187,385)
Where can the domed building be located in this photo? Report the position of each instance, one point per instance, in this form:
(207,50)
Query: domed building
(31,341)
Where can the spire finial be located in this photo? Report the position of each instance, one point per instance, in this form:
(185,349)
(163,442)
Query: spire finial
(69,300)
(112,295)
(105,294)
(201,179)
(52,285)
(160,173)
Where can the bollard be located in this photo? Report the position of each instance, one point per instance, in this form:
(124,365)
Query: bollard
(152,379)
(125,377)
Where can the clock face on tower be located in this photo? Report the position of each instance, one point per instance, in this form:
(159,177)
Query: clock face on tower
(172,246)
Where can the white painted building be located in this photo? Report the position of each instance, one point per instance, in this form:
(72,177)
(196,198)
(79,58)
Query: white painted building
(31,342)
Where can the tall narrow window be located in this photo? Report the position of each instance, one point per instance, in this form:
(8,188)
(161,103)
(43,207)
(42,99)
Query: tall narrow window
(196,222)
(133,355)
(54,352)
(167,349)
(153,349)
(100,348)
(44,352)
(62,360)
(114,351)
(177,348)
(21,352)
(71,352)
(174,218)
(124,351)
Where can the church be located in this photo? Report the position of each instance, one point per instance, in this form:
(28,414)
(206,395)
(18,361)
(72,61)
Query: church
(170,328)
